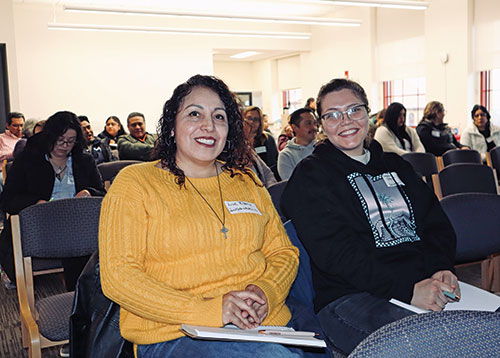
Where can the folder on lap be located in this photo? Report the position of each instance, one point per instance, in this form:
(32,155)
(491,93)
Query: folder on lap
(271,334)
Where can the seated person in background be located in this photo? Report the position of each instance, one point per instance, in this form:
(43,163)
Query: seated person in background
(100,150)
(51,167)
(210,249)
(435,135)
(13,132)
(112,130)
(138,145)
(262,142)
(304,127)
(481,135)
(394,135)
(285,136)
(372,227)
(266,124)
(311,104)
(37,127)
(258,166)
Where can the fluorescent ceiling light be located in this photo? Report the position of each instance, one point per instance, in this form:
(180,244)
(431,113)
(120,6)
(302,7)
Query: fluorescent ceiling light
(228,17)
(402,4)
(180,31)
(245,54)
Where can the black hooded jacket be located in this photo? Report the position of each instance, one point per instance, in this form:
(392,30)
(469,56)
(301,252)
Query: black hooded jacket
(373,228)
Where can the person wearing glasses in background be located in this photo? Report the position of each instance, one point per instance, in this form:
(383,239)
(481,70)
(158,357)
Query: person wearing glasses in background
(51,167)
(373,229)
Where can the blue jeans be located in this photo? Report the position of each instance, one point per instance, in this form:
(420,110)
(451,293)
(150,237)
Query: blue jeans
(188,347)
(303,318)
(351,318)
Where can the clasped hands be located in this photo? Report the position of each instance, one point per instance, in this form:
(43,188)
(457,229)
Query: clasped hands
(428,293)
(245,309)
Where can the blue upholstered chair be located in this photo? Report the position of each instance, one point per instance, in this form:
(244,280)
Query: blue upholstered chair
(109,170)
(465,178)
(454,156)
(275,191)
(474,217)
(57,229)
(443,334)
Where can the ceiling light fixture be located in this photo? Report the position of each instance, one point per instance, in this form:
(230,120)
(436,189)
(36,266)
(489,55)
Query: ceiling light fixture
(228,17)
(402,4)
(244,54)
(179,31)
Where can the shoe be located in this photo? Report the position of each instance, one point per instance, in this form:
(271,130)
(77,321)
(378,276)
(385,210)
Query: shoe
(7,282)
(64,351)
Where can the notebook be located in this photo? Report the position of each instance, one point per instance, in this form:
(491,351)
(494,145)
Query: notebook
(272,334)
(471,298)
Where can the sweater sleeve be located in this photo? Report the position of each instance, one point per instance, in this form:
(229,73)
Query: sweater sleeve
(384,137)
(285,165)
(123,243)
(282,260)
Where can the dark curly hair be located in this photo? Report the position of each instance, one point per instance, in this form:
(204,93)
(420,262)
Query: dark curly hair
(56,126)
(236,154)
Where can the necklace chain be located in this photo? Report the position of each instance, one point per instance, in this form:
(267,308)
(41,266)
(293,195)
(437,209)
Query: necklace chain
(58,171)
(224,230)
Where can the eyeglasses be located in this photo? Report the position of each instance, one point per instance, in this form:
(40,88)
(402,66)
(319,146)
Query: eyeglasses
(252,119)
(63,142)
(355,113)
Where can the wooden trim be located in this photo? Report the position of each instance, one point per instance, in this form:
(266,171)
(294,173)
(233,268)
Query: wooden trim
(488,160)
(437,186)
(440,163)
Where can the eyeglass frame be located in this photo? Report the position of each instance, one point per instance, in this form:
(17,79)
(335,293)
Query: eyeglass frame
(63,142)
(346,112)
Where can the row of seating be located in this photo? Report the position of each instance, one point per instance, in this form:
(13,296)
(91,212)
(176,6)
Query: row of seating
(45,322)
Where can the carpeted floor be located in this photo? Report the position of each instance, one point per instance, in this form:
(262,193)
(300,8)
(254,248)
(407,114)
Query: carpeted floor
(10,327)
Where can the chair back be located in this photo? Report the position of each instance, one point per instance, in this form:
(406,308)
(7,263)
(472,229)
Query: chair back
(494,158)
(275,190)
(454,156)
(439,334)
(423,163)
(61,228)
(474,217)
(302,288)
(109,170)
(465,178)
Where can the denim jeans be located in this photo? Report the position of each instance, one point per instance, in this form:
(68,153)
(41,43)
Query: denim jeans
(188,347)
(351,318)
(303,318)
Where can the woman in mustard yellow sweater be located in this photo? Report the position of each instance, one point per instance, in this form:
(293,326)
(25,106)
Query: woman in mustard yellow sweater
(194,238)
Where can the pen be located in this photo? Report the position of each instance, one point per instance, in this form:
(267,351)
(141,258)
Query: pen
(451,295)
(289,333)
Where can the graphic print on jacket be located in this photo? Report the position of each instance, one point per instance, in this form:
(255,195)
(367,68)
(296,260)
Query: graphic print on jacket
(386,207)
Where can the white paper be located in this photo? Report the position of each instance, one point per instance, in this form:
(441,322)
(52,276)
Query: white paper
(471,299)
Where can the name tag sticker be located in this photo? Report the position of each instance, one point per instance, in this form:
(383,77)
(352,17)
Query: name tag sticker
(241,207)
(261,149)
(392,179)
(436,134)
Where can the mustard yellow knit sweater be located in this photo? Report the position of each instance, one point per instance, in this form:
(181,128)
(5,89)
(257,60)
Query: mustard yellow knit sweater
(165,262)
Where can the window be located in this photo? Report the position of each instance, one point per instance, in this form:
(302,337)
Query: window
(411,93)
(292,99)
(490,93)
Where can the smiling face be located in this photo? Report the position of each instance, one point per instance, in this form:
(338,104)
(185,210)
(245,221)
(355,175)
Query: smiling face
(88,133)
(252,123)
(137,127)
(347,135)
(306,130)
(201,129)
